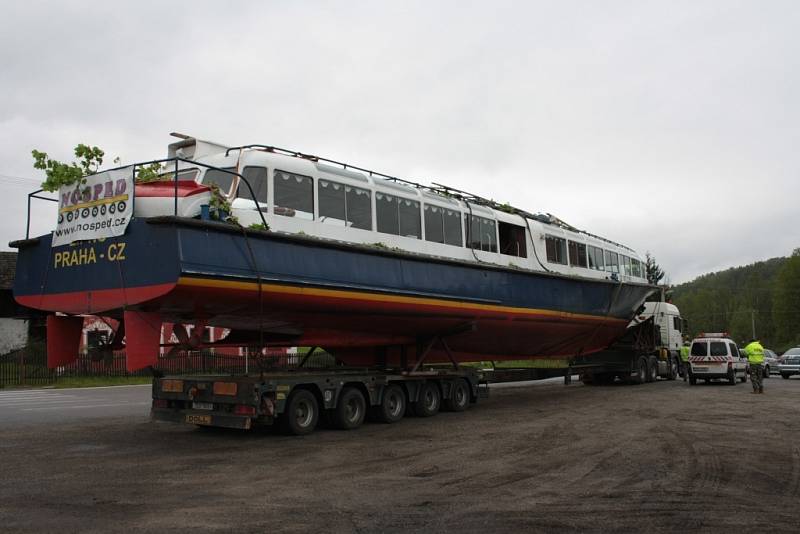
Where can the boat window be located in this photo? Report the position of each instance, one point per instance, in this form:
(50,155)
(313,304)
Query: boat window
(358,203)
(294,195)
(257,178)
(344,205)
(331,203)
(434,223)
(556,249)
(512,240)
(398,216)
(636,267)
(223,180)
(185,174)
(577,254)
(386,211)
(442,225)
(595,255)
(482,233)
(612,262)
(452,227)
(625,264)
(410,223)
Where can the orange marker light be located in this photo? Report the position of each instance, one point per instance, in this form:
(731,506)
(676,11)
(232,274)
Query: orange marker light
(172,386)
(224,388)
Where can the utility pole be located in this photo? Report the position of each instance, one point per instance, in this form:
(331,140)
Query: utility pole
(753,322)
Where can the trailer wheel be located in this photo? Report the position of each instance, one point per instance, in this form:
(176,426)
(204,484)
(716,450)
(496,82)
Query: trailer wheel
(641,370)
(301,414)
(392,407)
(430,400)
(351,409)
(459,397)
(652,369)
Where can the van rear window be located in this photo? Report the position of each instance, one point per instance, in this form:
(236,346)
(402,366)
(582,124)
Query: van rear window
(699,348)
(718,348)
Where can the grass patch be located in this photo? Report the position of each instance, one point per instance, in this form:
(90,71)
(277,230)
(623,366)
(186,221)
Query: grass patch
(96,381)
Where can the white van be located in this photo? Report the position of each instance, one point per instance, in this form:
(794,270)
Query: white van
(716,356)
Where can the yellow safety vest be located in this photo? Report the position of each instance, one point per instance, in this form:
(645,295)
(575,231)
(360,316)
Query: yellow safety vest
(685,353)
(755,353)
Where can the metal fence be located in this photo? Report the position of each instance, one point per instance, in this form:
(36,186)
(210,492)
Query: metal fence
(28,366)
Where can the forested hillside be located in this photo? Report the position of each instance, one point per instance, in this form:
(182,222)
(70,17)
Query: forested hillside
(765,295)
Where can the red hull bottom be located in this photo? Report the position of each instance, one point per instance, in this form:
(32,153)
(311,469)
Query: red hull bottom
(360,328)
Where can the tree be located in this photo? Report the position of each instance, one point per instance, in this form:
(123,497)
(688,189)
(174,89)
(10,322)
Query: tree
(786,301)
(653,271)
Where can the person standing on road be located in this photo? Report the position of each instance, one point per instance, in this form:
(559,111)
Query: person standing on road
(755,355)
(685,360)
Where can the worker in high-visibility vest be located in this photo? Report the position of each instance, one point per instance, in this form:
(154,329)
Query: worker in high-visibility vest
(755,355)
(685,360)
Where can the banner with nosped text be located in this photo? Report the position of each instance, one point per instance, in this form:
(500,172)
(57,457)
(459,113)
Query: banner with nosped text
(102,207)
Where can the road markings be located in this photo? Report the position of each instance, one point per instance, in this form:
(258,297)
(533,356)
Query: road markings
(84,406)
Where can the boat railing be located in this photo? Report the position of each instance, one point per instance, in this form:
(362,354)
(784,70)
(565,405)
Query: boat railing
(163,163)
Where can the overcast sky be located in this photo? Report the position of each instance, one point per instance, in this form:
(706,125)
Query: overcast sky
(669,126)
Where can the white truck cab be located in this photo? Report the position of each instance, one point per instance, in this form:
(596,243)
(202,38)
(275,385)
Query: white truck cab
(716,356)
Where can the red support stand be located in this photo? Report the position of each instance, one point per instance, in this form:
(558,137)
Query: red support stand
(142,339)
(63,340)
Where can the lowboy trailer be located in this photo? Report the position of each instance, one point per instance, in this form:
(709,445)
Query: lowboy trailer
(296,400)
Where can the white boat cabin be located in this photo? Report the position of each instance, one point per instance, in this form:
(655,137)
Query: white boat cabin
(300,194)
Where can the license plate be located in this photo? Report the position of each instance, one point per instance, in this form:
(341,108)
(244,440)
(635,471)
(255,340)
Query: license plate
(202,406)
(198,419)
(699,368)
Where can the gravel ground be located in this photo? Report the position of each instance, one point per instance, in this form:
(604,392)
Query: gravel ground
(663,457)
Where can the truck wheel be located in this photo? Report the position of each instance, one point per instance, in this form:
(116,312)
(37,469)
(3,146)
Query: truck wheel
(784,375)
(641,370)
(429,400)
(744,377)
(393,405)
(351,409)
(301,414)
(652,369)
(692,381)
(766,371)
(732,377)
(673,368)
(459,397)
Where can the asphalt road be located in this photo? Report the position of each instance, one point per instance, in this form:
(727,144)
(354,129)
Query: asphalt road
(664,457)
(39,406)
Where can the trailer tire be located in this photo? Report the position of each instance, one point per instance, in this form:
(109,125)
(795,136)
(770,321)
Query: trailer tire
(652,369)
(429,401)
(641,370)
(393,405)
(301,414)
(459,397)
(350,410)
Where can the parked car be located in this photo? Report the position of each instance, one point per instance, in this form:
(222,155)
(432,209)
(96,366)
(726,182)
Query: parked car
(790,363)
(771,362)
(716,356)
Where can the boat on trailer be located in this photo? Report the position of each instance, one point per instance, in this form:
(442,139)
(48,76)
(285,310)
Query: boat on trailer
(374,269)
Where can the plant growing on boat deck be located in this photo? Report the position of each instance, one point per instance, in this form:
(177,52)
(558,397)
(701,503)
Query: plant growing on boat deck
(221,209)
(61,174)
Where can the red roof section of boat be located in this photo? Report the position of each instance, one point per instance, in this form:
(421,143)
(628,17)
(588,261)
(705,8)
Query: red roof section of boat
(186,188)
